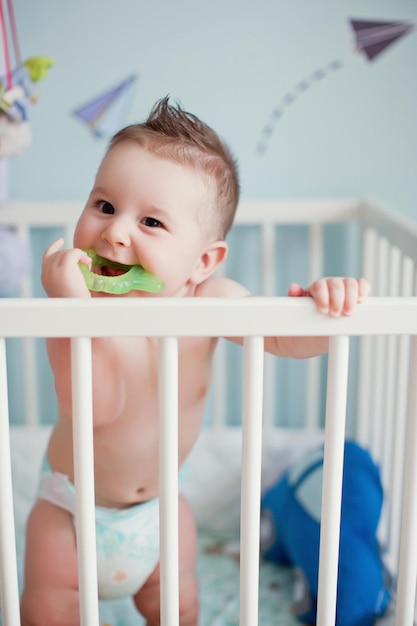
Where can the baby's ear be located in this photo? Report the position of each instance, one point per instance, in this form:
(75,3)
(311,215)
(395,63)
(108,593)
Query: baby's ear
(210,259)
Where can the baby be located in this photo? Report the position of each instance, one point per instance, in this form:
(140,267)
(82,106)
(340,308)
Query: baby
(164,198)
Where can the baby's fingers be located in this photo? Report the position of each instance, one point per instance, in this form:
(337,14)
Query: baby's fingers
(54,247)
(66,257)
(319,291)
(356,291)
(351,299)
(339,296)
(296,291)
(343,296)
(364,289)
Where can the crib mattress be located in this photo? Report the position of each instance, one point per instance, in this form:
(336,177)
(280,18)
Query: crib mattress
(214,492)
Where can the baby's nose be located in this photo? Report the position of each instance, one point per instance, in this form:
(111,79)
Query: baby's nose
(117,233)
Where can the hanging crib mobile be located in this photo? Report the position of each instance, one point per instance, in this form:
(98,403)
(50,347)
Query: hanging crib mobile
(17,94)
(17,87)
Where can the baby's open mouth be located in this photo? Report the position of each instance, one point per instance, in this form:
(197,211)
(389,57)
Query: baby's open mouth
(116,278)
(107,270)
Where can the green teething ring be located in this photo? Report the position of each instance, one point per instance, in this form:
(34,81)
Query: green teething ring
(135,277)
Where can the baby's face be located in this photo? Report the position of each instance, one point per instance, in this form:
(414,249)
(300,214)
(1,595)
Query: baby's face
(143,210)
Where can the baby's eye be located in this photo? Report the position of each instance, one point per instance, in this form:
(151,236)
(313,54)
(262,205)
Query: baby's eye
(106,207)
(151,222)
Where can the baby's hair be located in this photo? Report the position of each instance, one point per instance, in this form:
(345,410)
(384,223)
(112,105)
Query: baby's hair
(172,133)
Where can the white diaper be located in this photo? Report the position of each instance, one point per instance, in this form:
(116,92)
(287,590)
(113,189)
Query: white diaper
(127,539)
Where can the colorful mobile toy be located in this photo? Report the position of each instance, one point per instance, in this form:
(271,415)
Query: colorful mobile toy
(17,86)
(134,277)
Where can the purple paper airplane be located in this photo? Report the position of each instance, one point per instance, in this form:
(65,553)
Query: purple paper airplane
(373,37)
(105,114)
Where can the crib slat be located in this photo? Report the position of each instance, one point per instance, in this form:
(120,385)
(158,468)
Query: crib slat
(268,259)
(219,419)
(30,378)
(365,346)
(312,406)
(31,395)
(82,402)
(400,411)
(337,383)
(268,289)
(168,477)
(220,382)
(407,574)
(251,479)
(377,417)
(8,563)
(388,435)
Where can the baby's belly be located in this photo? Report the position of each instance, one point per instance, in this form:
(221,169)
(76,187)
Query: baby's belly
(121,481)
(127,470)
(126,455)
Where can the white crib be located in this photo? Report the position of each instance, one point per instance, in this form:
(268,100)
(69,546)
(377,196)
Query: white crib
(377,383)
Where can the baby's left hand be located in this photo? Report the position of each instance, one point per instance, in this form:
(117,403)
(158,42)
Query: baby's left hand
(334,296)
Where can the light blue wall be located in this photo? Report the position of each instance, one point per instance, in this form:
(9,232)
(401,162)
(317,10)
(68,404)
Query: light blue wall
(231,62)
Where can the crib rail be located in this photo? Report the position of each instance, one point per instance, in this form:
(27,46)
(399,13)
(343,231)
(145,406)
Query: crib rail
(200,317)
(251,318)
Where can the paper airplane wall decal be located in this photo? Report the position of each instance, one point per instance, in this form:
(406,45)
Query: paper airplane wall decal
(374,37)
(371,38)
(106,113)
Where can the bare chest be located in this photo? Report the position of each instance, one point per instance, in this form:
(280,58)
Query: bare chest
(141,362)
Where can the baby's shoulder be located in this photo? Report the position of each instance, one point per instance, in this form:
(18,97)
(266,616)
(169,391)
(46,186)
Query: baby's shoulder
(221,287)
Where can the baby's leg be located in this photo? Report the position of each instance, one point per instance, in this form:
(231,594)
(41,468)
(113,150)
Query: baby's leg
(147,598)
(50,594)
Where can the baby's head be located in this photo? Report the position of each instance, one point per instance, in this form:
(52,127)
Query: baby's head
(174,134)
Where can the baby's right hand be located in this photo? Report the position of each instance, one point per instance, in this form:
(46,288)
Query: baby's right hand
(61,276)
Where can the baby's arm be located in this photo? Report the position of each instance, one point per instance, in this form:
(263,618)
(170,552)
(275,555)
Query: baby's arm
(61,277)
(332,296)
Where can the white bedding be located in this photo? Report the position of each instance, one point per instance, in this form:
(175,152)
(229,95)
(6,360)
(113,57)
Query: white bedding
(213,489)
